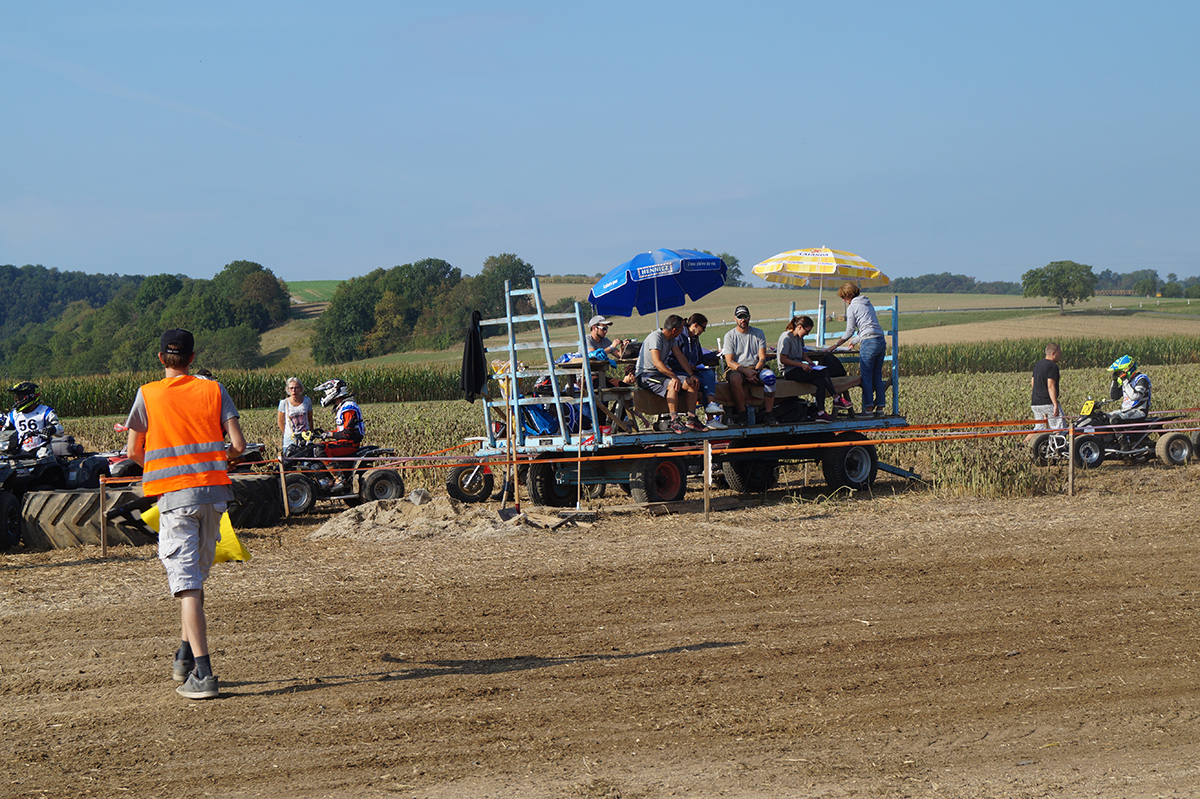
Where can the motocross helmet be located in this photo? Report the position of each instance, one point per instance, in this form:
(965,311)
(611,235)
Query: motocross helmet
(25,396)
(1123,366)
(335,391)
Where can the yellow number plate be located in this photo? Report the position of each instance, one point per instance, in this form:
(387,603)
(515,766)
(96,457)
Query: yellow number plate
(1087,407)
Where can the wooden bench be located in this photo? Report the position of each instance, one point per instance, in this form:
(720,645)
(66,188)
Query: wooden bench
(648,403)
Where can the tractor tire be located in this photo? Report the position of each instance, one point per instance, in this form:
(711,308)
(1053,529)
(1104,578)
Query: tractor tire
(1089,452)
(1174,449)
(658,480)
(852,467)
(470,483)
(10,516)
(62,519)
(257,501)
(380,484)
(301,494)
(751,476)
(1038,444)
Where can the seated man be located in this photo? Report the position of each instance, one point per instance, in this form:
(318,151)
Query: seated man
(688,345)
(597,338)
(653,374)
(35,424)
(745,349)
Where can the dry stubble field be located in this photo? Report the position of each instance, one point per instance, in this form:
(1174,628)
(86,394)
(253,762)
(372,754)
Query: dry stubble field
(906,645)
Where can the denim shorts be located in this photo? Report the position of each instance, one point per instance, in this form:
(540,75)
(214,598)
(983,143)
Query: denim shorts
(187,544)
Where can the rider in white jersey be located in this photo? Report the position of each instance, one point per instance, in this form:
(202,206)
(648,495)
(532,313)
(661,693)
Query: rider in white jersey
(36,424)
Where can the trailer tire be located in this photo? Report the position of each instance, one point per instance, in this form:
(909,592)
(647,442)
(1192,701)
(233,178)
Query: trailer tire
(543,489)
(10,518)
(257,501)
(751,476)
(658,480)
(61,519)
(854,466)
(1174,449)
(470,483)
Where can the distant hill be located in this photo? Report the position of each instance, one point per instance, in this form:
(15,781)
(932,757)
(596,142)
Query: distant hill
(305,291)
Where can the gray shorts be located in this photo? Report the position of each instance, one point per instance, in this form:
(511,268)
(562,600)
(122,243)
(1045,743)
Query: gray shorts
(1044,414)
(187,544)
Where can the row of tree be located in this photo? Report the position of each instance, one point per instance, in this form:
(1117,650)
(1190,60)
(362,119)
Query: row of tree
(1066,282)
(426,305)
(946,283)
(227,314)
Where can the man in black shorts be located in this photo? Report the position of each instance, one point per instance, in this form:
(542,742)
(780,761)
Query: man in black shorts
(653,374)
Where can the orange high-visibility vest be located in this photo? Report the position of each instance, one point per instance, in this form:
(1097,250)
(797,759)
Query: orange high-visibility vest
(185,442)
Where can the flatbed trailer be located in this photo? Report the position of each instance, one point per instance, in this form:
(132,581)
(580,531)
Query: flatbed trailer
(653,465)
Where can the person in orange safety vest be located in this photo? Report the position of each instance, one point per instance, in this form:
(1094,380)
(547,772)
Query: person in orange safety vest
(177,429)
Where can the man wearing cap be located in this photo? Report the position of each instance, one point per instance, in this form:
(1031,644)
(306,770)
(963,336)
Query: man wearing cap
(745,350)
(177,429)
(597,338)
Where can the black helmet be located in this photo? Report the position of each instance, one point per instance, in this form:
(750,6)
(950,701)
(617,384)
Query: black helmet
(25,396)
(335,391)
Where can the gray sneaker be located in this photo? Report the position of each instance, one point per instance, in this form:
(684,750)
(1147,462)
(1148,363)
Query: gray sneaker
(180,669)
(196,688)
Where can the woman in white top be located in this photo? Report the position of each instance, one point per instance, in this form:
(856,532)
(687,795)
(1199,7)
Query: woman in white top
(295,412)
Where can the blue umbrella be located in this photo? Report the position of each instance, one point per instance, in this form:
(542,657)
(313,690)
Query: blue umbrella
(653,280)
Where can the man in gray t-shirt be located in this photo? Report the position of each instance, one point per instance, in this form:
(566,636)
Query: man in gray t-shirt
(653,374)
(745,350)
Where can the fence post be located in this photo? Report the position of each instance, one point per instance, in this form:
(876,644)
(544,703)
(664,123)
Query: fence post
(1071,459)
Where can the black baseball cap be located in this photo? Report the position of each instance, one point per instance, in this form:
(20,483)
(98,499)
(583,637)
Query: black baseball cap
(741,312)
(176,341)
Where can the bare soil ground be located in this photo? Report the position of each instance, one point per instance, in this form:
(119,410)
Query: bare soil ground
(901,646)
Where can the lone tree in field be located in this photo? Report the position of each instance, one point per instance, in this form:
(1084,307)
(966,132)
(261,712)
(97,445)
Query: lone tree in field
(1063,282)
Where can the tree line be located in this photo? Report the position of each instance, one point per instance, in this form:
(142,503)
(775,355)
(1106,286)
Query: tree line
(115,324)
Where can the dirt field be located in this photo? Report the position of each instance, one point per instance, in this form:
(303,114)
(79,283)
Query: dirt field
(904,646)
(1053,326)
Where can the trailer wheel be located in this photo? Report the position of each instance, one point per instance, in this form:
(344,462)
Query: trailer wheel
(1089,452)
(1196,443)
(301,494)
(658,480)
(257,501)
(850,466)
(10,517)
(543,489)
(1174,449)
(1039,449)
(61,519)
(470,483)
(380,484)
(751,477)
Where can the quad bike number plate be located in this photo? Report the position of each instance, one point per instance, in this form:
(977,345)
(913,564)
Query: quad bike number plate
(1087,407)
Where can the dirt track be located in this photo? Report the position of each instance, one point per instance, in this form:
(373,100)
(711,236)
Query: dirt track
(903,646)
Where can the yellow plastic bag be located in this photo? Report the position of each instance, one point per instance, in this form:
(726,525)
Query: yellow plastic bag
(228,548)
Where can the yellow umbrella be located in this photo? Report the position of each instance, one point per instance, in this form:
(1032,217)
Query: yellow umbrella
(820,267)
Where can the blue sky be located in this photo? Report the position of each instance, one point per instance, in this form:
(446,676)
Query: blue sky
(326,140)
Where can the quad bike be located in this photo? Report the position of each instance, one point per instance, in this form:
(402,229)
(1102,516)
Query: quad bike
(121,465)
(1098,438)
(366,480)
(65,467)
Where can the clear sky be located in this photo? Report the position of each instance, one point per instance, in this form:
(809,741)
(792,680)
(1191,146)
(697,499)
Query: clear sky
(325,140)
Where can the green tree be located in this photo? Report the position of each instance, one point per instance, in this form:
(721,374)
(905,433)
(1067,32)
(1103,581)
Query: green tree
(1146,287)
(1172,289)
(1061,282)
(487,288)
(733,270)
